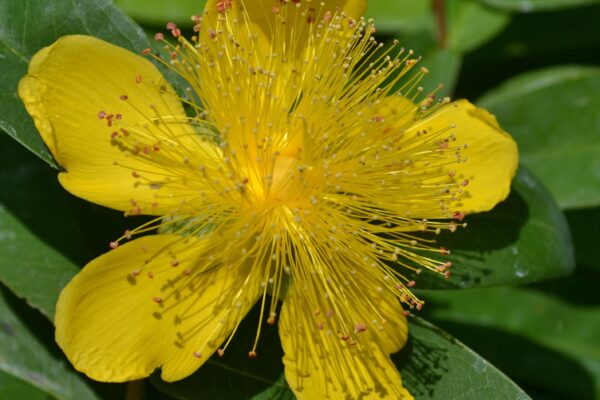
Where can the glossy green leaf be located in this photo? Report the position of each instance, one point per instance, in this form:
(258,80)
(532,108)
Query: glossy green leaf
(401,15)
(158,12)
(553,115)
(524,239)
(28,352)
(585,226)
(40,242)
(536,5)
(12,388)
(27,26)
(444,67)
(434,365)
(470,24)
(545,336)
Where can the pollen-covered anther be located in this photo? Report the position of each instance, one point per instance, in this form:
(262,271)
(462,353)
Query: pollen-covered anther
(175,31)
(458,215)
(224,5)
(220,352)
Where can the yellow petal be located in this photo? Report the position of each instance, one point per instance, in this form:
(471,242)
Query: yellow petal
(260,16)
(490,155)
(158,301)
(320,364)
(69,84)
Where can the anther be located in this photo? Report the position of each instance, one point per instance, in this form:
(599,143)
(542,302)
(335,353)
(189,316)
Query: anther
(101,114)
(159,36)
(113,245)
(411,284)
(459,216)
(252,354)
(197,354)
(220,352)
(157,300)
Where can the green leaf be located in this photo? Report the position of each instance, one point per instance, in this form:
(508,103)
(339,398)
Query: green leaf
(434,365)
(13,388)
(158,12)
(553,115)
(524,239)
(27,26)
(585,226)
(545,336)
(536,5)
(401,15)
(444,67)
(37,230)
(23,354)
(471,24)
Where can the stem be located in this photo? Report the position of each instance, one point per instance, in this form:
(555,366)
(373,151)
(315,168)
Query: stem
(439,9)
(135,390)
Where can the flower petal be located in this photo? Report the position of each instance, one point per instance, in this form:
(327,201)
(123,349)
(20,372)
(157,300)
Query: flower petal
(85,95)
(158,301)
(298,15)
(320,364)
(491,155)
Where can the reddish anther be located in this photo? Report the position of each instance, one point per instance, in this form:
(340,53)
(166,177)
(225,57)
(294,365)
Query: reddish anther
(224,5)
(123,97)
(459,216)
(101,115)
(157,300)
(113,245)
(252,354)
(159,36)
(146,51)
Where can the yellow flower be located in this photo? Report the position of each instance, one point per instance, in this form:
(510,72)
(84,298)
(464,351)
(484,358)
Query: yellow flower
(294,170)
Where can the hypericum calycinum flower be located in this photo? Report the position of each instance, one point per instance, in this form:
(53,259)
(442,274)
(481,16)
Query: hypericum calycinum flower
(292,167)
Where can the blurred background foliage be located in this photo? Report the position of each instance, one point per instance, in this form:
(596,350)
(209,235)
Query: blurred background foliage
(531,308)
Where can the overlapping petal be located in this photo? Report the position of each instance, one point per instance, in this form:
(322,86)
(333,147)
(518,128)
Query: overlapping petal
(83,93)
(321,363)
(489,156)
(156,302)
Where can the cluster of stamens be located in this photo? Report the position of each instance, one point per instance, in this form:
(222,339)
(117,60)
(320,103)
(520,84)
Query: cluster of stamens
(288,168)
